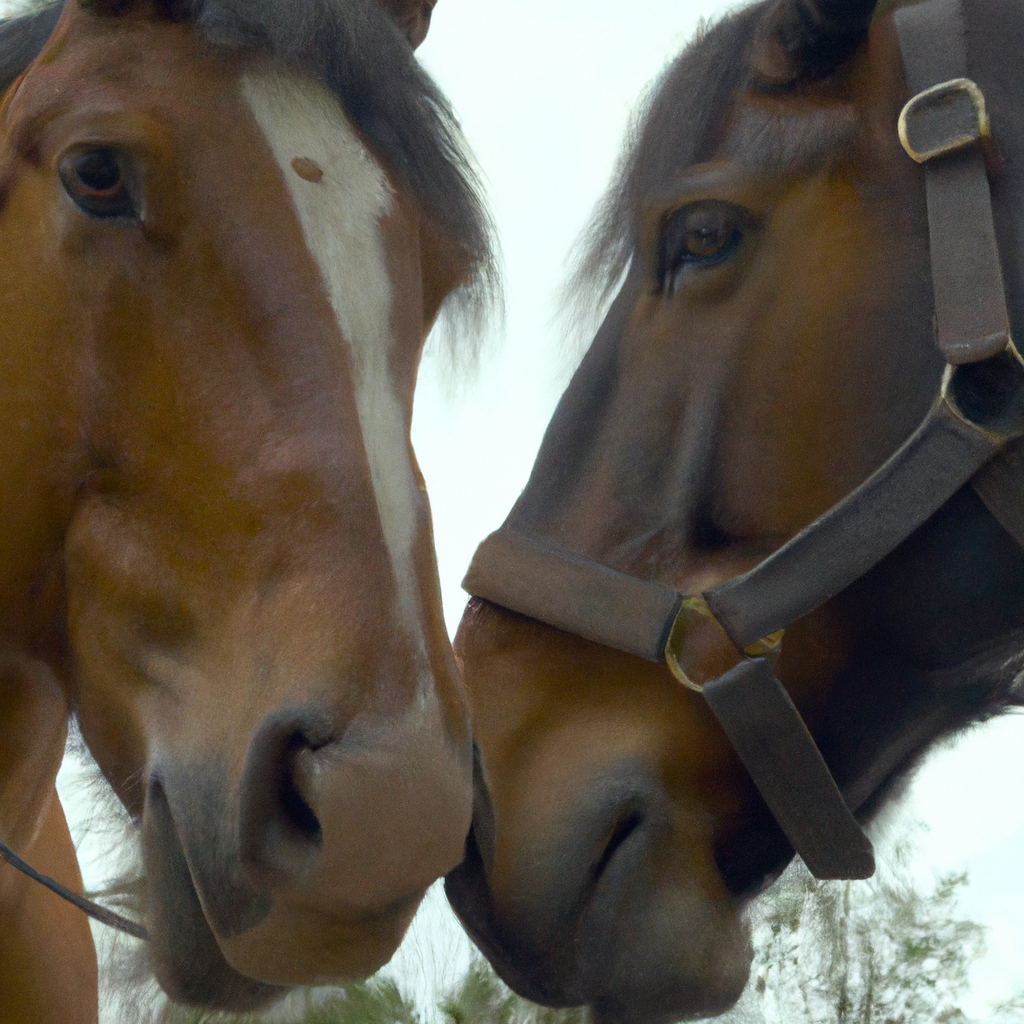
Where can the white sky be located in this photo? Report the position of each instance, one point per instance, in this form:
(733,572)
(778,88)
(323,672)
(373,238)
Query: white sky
(544,89)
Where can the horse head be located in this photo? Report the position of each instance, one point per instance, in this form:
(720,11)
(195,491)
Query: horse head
(226,228)
(769,346)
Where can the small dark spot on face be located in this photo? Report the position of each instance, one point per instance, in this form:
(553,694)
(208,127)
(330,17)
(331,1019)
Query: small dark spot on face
(307,169)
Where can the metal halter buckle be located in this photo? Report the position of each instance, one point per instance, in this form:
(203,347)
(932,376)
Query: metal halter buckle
(693,613)
(943,119)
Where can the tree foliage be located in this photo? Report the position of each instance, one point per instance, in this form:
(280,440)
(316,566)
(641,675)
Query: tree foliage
(879,952)
(479,998)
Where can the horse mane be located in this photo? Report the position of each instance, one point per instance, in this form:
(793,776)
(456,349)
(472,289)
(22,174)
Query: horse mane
(355,49)
(21,39)
(694,92)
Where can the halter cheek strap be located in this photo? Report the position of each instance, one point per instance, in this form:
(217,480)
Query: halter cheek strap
(945,126)
(970,304)
(968,436)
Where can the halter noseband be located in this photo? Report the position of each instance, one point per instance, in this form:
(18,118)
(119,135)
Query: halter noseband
(967,436)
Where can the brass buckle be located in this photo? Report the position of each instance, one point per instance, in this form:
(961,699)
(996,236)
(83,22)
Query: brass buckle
(943,119)
(695,612)
(1001,424)
(1011,348)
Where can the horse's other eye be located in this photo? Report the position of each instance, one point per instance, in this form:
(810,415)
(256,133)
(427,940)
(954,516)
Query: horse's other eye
(95,181)
(699,235)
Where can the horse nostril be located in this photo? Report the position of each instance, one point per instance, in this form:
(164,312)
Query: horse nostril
(625,828)
(293,804)
(278,827)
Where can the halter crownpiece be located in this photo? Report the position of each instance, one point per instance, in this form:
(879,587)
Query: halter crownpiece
(967,437)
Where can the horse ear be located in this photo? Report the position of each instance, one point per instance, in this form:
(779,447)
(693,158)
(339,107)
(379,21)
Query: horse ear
(411,16)
(807,39)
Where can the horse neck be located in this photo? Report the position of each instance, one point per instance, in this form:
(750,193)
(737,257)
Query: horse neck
(938,643)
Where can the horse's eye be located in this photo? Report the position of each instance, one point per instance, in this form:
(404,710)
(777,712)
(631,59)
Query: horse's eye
(94,179)
(699,235)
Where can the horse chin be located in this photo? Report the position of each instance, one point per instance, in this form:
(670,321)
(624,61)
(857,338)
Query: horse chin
(209,984)
(184,952)
(653,954)
(642,952)
(350,947)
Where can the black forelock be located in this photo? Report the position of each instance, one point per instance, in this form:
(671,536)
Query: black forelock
(21,39)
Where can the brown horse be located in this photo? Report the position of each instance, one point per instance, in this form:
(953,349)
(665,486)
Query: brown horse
(226,228)
(770,346)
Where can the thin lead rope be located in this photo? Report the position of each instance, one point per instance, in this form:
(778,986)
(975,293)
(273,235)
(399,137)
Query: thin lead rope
(94,910)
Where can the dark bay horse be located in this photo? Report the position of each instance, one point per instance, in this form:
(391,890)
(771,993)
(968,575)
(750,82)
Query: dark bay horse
(226,228)
(770,346)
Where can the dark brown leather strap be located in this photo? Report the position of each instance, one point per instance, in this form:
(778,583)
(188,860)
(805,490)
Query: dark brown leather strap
(853,536)
(87,906)
(1001,486)
(782,758)
(945,128)
(969,295)
(581,596)
(574,593)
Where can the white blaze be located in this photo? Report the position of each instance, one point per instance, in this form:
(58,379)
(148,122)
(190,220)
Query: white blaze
(340,217)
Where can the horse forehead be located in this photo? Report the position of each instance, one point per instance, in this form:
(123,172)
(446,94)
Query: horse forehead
(776,139)
(131,52)
(342,198)
(154,73)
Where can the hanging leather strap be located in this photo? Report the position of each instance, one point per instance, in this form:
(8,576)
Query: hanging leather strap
(945,127)
(582,597)
(784,761)
(94,910)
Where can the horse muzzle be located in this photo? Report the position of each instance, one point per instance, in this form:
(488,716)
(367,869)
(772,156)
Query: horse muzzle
(308,869)
(601,911)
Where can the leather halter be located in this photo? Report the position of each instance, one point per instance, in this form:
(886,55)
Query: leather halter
(970,435)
